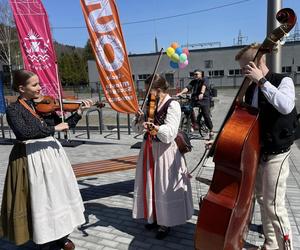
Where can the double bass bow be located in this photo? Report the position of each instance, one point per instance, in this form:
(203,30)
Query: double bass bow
(225,211)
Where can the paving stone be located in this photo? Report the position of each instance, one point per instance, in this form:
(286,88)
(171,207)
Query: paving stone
(108,197)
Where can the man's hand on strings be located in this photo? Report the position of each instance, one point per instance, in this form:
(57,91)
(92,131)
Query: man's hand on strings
(253,72)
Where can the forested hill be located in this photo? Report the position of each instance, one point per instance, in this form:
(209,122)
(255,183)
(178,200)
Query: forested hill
(67,49)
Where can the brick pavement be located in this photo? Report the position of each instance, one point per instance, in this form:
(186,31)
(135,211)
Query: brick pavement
(108,197)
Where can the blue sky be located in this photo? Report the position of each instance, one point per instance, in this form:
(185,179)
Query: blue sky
(214,25)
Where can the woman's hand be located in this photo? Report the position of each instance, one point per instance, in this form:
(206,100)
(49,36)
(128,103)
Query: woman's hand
(61,127)
(139,115)
(150,126)
(86,104)
(209,143)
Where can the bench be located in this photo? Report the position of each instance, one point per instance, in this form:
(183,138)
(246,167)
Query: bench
(105,166)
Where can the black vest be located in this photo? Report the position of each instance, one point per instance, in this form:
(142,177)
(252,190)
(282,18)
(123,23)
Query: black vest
(278,131)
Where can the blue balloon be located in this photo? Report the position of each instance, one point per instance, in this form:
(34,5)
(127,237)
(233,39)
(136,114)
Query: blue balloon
(178,50)
(174,65)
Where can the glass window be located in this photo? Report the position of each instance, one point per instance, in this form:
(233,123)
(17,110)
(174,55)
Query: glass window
(208,64)
(288,69)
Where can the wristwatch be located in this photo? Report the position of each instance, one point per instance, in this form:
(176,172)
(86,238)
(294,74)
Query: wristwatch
(262,81)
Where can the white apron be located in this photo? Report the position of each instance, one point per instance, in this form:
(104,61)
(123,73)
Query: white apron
(56,203)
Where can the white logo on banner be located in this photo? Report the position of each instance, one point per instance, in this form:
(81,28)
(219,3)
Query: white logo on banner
(36,49)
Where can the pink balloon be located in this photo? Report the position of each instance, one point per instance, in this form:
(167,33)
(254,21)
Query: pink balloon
(182,65)
(186,51)
(186,62)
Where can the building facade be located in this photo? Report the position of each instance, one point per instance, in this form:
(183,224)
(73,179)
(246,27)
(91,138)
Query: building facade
(217,63)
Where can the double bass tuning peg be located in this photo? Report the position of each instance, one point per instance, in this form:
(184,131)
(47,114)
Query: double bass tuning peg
(284,38)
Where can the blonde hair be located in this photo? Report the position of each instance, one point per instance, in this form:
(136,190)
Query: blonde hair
(249,50)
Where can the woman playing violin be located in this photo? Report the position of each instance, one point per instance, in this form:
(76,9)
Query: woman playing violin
(162,192)
(41,199)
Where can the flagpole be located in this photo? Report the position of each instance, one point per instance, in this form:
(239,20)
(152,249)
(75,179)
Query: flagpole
(60,100)
(59,93)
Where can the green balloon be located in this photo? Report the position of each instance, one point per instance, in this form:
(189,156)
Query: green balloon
(182,57)
(175,57)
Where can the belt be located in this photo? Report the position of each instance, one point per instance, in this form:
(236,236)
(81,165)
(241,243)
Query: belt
(277,151)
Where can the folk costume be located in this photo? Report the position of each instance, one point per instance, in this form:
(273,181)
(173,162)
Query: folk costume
(162,190)
(41,200)
(278,126)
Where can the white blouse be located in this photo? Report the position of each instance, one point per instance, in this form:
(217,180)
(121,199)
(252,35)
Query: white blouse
(168,131)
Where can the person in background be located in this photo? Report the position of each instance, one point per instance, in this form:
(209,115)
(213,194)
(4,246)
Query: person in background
(41,200)
(162,190)
(200,98)
(274,95)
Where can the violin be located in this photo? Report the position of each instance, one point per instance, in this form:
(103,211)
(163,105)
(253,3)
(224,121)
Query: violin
(151,108)
(48,104)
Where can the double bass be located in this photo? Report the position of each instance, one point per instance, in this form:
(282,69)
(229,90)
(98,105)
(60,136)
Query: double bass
(225,211)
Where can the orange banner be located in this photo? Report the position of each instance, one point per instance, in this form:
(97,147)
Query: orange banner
(103,24)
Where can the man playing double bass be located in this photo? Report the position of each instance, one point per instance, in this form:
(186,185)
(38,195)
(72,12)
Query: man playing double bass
(274,95)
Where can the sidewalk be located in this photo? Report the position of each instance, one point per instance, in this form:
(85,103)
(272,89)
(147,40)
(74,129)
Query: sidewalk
(108,197)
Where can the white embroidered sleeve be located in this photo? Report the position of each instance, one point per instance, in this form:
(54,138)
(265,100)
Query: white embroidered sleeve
(168,131)
(283,97)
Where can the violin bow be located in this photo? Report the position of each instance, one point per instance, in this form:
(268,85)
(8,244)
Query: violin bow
(152,80)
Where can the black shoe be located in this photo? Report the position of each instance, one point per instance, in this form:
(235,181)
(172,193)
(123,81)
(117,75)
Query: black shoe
(65,243)
(150,226)
(49,246)
(162,232)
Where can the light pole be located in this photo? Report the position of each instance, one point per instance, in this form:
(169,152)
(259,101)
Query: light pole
(273,59)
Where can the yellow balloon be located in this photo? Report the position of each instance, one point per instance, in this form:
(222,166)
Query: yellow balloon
(170,51)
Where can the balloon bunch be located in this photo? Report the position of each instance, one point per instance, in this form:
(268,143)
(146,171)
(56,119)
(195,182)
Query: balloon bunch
(178,56)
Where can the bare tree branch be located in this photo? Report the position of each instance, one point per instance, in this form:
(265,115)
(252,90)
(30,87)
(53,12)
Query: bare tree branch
(7,30)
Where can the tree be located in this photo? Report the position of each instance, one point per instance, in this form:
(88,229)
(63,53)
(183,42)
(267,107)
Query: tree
(9,46)
(88,51)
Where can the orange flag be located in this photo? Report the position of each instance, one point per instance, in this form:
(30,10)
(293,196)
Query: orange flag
(103,24)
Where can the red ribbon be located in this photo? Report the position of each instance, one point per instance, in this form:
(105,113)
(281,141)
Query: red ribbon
(148,154)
